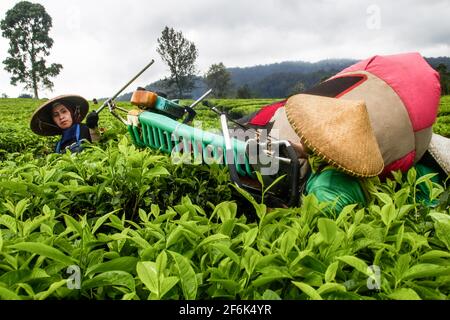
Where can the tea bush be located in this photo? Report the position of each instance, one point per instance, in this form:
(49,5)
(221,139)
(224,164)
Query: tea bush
(116,222)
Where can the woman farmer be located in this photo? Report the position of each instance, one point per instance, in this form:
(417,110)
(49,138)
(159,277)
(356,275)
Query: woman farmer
(368,120)
(62,116)
(340,142)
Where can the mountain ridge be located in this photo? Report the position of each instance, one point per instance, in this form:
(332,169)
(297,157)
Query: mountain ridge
(277,80)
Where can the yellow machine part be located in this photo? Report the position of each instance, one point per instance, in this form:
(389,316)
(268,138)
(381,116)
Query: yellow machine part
(144,99)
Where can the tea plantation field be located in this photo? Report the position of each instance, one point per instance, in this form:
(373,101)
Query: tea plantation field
(117,222)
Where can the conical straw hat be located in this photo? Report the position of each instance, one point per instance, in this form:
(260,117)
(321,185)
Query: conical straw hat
(338,130)
(439,149)
(42,122)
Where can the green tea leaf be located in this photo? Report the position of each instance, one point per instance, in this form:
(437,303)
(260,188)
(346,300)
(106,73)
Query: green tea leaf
(44,250)
(267,260)
(310,291)
(9,222)
(359,216)
(314,264)
(425,270)
(250,260)
(271,274)
(229,285)
(21,206)
(426,178)
(401,197)
(356,263)
(385,198)
(250,236)
(30,226)
(17,187)
(157,171)
(27,288)
(404,294)
(143,215)
(402,264)
(327,229)
(260,178)
(265,279)
(155,210)
(434,254)
(388,214)
(227,227)
(288,241)
(443,232)
(225,210)
(330,274)
(404,210)
(110,278)
(400,234)
(174,236)
(228,252)
(148,274)
(127,264)
(6,294)
(54,286)
(261,209)
(140,241)
(330,287)
(161,262)
(411,177)
(167,284)
(130,296)
(102,220)
(213,238)
(440,217)
(187,276)
(345,213)
(270,295)
(79,190)
(73,175)
(12,277)
(276,181)
(73,224)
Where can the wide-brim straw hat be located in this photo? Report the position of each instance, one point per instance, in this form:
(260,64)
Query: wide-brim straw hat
(439,149)
(337,130)
(42,122)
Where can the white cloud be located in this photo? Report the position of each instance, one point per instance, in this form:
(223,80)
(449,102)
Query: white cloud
(102,44)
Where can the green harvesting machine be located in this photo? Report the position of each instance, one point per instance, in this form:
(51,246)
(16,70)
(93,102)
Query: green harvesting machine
(162,124)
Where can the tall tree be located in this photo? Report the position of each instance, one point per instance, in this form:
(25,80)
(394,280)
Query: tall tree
(218,78)
(26,26)
(179,54)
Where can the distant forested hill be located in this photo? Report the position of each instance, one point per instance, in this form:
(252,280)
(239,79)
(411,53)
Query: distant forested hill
(278,80)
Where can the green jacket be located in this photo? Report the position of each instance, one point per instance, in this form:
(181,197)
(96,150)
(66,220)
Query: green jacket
(341,189)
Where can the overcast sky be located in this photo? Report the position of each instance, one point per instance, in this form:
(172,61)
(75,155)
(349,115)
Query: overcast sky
(103,43)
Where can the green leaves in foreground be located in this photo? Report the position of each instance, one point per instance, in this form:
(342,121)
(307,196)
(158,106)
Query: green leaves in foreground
(116,222)
(44,251)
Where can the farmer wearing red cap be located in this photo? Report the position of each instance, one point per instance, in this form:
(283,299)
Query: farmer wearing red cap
(63,116)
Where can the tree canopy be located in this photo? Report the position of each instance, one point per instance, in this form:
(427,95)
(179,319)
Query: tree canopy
(218,79)
(180,55)
(27,27)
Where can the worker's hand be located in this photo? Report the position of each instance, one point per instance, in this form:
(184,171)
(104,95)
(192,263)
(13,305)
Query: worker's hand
(92,120)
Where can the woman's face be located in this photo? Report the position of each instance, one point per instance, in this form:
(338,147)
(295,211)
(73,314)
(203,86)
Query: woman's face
(62,117)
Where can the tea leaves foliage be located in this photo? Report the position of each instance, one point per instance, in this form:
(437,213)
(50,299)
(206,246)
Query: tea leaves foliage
(118,222)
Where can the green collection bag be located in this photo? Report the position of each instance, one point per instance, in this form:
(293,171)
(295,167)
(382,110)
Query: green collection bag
(331,185)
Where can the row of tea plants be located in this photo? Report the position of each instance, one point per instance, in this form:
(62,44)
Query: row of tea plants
(116,222)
